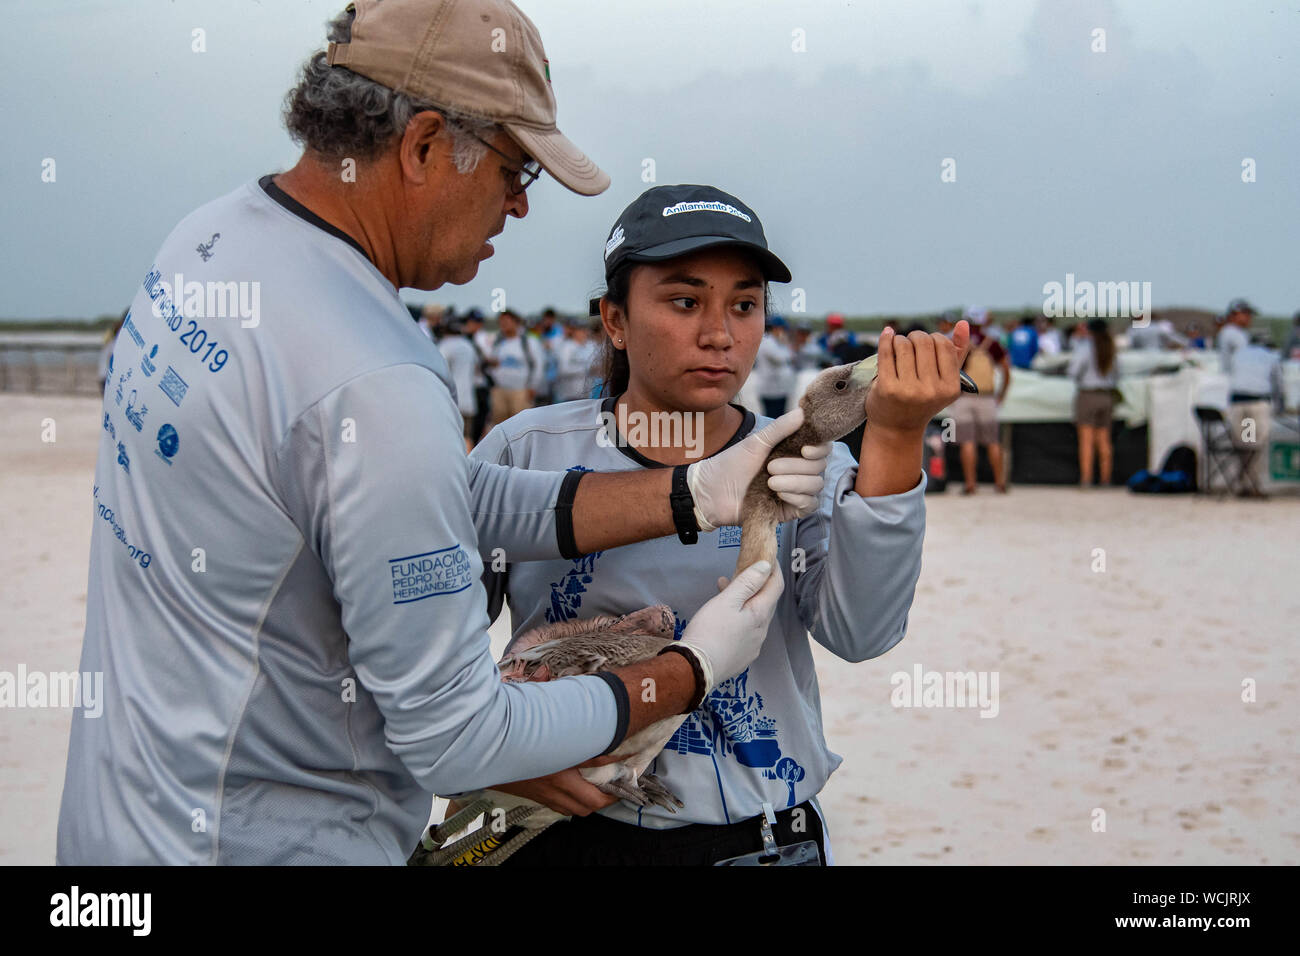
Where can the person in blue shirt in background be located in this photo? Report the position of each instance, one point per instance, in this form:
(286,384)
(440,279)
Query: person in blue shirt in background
(550,333)
(1023,344)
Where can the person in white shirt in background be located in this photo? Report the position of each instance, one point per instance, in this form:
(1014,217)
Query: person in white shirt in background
(462,362)
(989,327)
(1252,370)
(576,353)
(1232,337)
(808,354)
(1153,334)
(774,369)
(430,318)
(1255,370)
(518,369)
(481,340)
(1049,337)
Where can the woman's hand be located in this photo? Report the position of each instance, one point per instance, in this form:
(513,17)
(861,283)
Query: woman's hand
(718,484)
(916,378)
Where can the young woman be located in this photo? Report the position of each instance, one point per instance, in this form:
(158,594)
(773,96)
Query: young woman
(1093,368)
(686,271)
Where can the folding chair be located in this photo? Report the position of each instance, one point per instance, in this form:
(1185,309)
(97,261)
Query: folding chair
(1234,461)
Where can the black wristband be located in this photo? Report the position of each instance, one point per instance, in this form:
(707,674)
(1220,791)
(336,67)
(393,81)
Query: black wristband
(622,705)
(688,529)
(700,687)
(564,515)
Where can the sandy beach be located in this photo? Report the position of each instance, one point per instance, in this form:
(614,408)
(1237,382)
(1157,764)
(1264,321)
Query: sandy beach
(1119,690)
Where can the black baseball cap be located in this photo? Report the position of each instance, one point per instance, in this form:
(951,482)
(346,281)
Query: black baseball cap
(1240,305)
(669,221)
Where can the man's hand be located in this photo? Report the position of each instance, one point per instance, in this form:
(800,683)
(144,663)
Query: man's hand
(916,377)
(718,484)
(566,792)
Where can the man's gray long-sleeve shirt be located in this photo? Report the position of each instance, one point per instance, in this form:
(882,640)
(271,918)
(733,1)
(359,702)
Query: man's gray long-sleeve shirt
(284,593)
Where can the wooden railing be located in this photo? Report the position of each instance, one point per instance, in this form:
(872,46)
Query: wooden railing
(57,362)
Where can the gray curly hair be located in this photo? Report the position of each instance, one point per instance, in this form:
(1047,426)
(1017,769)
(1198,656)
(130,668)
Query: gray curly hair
(337,113)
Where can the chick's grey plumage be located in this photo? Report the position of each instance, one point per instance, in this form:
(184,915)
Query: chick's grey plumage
(583,647)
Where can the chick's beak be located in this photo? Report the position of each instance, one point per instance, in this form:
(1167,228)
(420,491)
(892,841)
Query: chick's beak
(864,372)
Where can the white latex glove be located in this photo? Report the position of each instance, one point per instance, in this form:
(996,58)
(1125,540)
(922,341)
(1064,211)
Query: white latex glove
(718,484)
(726,634)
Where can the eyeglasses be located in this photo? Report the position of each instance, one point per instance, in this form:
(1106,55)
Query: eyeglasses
(521,177)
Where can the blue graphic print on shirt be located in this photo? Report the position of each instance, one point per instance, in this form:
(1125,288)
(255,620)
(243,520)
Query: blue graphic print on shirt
(566,594)
(731,724)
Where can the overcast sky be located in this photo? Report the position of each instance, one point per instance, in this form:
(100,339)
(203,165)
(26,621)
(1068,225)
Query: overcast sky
(1115,166)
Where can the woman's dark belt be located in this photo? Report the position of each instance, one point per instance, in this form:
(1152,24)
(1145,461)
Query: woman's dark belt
(599,841)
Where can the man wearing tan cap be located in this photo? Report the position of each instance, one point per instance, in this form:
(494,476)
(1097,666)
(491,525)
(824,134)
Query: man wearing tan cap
(284,597)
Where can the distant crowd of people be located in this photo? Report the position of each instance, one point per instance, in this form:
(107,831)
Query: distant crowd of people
(548,359)
(519,365)
(523,364)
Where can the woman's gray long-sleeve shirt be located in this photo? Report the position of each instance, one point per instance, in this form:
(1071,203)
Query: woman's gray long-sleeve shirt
(850,571)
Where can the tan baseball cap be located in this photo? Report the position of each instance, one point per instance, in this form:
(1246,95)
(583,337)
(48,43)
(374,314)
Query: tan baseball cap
(483,57)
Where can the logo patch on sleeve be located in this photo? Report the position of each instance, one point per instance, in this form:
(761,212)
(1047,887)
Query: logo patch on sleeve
(431,574)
